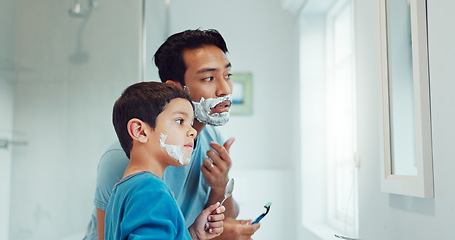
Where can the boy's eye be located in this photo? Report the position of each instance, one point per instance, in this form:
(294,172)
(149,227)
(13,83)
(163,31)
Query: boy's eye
(179,121)
(228,76)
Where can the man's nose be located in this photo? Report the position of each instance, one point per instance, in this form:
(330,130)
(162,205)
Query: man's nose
(223,88)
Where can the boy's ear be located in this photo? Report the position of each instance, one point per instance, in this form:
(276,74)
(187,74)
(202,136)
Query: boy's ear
(174,83)
(137,129)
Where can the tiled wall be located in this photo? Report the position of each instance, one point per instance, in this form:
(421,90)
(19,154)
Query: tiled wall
(72,70)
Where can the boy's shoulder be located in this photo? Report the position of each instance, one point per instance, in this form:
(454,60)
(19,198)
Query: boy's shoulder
(144,182)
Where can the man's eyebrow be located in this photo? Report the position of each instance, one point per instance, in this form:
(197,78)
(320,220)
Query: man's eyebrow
(206,70)
(212,69)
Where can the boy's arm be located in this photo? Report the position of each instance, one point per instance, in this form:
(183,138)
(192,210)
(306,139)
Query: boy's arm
(216,171)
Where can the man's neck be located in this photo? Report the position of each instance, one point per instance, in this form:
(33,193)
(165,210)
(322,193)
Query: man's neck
(198,126)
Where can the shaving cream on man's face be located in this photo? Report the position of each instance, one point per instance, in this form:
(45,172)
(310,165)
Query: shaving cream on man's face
(203,109)
(174,151)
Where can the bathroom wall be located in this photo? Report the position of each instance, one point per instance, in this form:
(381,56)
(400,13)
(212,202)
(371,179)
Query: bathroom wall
(389,216)
(6,111)
(71,71)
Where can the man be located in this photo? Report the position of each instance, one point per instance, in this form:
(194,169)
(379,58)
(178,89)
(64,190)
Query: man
(194,60)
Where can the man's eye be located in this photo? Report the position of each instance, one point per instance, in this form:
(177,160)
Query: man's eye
(179,121)
(208,79)
(228,76)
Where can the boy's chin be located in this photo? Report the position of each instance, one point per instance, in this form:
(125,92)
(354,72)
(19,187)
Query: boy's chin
(184,163)
(180,163)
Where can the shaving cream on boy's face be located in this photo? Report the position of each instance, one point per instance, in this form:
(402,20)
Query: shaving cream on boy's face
(203,108)
(174,151)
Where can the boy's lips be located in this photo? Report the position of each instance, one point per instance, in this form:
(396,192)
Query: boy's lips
(221,107)
(190,145)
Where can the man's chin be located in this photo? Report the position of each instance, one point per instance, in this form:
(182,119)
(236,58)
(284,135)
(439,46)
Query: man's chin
(215,119)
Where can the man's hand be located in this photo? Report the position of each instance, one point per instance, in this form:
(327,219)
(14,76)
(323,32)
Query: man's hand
(216,166)
(215,170)
(237,229)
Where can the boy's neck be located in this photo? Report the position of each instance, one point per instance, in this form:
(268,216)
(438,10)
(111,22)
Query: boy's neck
(139,163)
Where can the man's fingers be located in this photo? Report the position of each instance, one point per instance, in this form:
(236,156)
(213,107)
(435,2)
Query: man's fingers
(227,145)
(208,164)
(244,222)
(250,229)
(223,154)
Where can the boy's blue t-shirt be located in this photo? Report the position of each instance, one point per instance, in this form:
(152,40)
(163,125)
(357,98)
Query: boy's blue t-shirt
(142,207)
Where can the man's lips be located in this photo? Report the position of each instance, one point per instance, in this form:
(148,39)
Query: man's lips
(190,145)
(221,107)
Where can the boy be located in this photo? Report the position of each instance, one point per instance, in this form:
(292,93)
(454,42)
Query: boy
(153,122)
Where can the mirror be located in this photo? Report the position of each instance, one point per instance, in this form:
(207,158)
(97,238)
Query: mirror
(407,167)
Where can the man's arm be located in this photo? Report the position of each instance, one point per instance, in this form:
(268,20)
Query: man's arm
(238,229)
(110,170)
(215,170)
(100,216)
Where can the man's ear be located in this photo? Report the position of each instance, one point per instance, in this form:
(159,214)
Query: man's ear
(174,83)
(137,129)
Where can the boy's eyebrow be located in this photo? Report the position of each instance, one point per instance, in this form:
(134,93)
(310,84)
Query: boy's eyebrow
(212,69)
(181,113)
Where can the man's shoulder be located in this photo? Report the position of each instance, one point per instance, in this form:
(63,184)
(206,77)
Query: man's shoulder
(114,150)
(115,146)
(113,161)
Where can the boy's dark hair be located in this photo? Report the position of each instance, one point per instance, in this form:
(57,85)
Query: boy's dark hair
(169,57)
(145,101)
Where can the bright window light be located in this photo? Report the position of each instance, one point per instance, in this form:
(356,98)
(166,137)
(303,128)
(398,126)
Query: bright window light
(329,127)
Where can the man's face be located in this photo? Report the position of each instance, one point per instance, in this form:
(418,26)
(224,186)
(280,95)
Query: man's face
(208,76)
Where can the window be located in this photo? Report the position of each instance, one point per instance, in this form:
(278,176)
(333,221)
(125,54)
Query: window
(329,173)
(341,120)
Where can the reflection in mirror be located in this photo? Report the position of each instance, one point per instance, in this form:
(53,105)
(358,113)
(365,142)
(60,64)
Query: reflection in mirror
(401,89)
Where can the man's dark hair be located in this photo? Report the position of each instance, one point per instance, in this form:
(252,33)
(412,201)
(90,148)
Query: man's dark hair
(169,57)
(145,101)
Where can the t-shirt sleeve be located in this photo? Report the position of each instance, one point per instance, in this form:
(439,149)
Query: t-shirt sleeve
(153,215)
(111,167)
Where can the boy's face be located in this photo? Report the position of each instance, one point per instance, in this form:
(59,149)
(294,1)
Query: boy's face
(175,132)
(208,76)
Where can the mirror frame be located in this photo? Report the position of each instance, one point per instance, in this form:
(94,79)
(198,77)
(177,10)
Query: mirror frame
(420,185)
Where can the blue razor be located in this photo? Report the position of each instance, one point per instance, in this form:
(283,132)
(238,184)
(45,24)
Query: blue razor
(267,208)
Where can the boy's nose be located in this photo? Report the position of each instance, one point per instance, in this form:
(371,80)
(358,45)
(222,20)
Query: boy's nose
(192,133)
